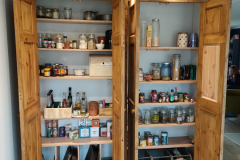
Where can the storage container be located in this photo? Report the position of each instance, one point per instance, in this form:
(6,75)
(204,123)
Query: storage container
(143,33)
(155,32)
(166,71)
(100,65)
(57,113)
(105,111)
(157,154)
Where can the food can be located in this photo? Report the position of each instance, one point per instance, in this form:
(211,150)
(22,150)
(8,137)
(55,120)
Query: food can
(180,97)
(143,142)
(155,140)
(49,132)
(146,133)
(150,140)
(62,131)
(164,138)
(55,132)
(186,97)
(49,123)
(55,123)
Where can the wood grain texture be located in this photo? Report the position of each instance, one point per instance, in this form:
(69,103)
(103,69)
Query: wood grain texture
(57,113)
(211,90)
(168,48)
(28,81)
(76,77)
(148,103)
(105,111)
(175,1)
(165,125)
(167,82)
(73,21)
(74,50)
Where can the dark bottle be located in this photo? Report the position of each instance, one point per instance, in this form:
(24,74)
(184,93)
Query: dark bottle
(70,96)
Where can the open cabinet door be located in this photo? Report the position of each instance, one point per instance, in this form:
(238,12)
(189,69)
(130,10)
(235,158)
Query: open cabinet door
(133,78)
(28,78)
(118,80)
(212,79)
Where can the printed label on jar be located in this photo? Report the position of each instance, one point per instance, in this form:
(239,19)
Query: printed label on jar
(140,77)
(154,97)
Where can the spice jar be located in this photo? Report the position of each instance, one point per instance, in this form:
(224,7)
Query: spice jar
(154,96)
(41,70)
(147,118)
(40,12)
(83,41)
(171,116)
(61,70)
(47,72)
(155,32)
(55,13)
(48,13)
(186,97)
(166,71)
(70,44)
(176,67)
(155,70)
(88,15)
(163,116)
(190,115)
(91,42)
(65,70)
(93,108)
(74,46)
(141,98)
(67,13)
(155,117)
(139,117)
(59,43)
(140,74)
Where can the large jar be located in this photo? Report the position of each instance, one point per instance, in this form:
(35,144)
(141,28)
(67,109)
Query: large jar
(190,115)
(155,116)
(83,41)
(48,13)
(67,13)
(147,117)
(179,116)
(155,71)
(55,13)
(59,43)
(172,116)
(166,71)
(143,33)
(40,12)
(155,32)
(91,41)
(154,96)
(176,67)
(163,116)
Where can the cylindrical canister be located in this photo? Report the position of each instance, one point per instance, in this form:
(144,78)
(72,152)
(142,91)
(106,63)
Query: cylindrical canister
(55,132)
(182,39)
(62,131)
(49,132)
(164,138)
(155,140)
(193,40)
(93,108)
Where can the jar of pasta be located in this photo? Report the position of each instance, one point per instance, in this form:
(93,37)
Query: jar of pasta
(155,71)
(176,67)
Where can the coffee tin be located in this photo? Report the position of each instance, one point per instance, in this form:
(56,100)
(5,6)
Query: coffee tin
(49,132)
(164,138)
(55,132)
(62,131)
(143,142)
(155,140)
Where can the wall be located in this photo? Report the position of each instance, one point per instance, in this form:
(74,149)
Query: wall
(9,120)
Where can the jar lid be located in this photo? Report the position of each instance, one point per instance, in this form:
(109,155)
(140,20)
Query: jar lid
(177,55)
(67,8)
(165,63)
(40,7)
(163,94)
(91,36)
(47,64)
(140,69)
(141,94)
(74,40)
(55,9)
(156,20)
(154,90)
(155,64)
(47,69)
(48,9)
(70,41)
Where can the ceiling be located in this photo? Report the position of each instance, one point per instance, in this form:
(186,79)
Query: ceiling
(235,20)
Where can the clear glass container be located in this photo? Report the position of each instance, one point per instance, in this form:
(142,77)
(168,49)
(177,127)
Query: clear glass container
(172,116)
(74,46)
(70,44)
(78,101)
(143,33)
(91,41)
(184,115)
(62,71)
(64,40)
(40,12)
(140,74)
(155,71)
(176,67)
(139,117)
(164,118)
(83,104)
(55,13)
(67,13)
(88,15)
(147,117)
(155,116)
(190,115)
(179,116)
(65,70)
(155,32)
(95,16)
(48,36)
(48,13)
(83,41)
(59,43)
(166,71)
(40,39)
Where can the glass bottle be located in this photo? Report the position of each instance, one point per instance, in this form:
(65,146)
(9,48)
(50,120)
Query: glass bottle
(143,32)
(66,45)
(171,96)
(64,100)
(155,116)
(67,13)
(147,117)
(155,32)
(190,115)
(175,95)
(171,116)
(83,104)
(176,67)
(166,71)
(91,42)
(139,117)
(70,95)
(155,71)
(68,104)
(78,101)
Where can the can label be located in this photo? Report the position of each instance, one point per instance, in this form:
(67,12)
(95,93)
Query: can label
(164,138)
(142,143)
(55,132)
(155,141)
(55,123)
(49,132)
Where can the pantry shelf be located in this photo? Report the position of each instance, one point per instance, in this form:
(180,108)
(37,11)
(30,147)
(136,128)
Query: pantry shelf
(75,50)
(165,125)
(173,142)
(75,77)
(168,48)
(167,82)
(64,141)
(148,103)
(72,21)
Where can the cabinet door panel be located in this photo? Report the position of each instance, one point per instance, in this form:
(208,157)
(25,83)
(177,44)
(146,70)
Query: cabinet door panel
(28,78)
(212,78)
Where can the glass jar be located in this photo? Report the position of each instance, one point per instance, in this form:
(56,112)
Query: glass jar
(47,72)
(163,96)
(70,44)
(155,70)
(66,45)
(55,13)
(64,40)
(61,70)
(147,117)
(40,39)
(179,116)
(48,65)
(141,98)
(139,117)
(155,32)
(91,42)
(67,13)
(176,67)
(74,44)
(140,74)
(154,96)
(147,77)
(40,12)
(65,70)
(48,13)
(53,44)
(171,116)
(143,33)
(94,15)
(166,71)
(184,115)
(190,115)
(41,70)
(88,15)
(155,116)
(59,43)
(53,73)
(83,41)
(164,118)
(48,36)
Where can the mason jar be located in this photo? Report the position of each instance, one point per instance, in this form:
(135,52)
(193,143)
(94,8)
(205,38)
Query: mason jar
(155,71)
(166,71)
(67,13)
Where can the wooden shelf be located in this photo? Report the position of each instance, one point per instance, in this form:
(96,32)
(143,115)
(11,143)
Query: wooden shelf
(75,50)
(173,142)
(72,21)
(168,48)
(75,77)
(64,141)
(167,82)
(165,125)
(148,103)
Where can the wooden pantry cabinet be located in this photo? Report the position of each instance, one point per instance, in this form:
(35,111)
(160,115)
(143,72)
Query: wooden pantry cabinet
(209,89)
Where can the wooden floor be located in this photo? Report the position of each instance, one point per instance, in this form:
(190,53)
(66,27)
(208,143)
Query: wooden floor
(231,150)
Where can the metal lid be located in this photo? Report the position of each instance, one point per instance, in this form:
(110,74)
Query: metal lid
(67,8)
(165,63)
(155,20)
(154,90)
(155,64)
(55,9)
(177,55)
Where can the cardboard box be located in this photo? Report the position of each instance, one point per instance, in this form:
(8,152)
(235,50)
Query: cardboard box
(109,124)
(149,36)
(95,123)
(89,122)
(100,65)
(84,132)
(94,131)
(82,122)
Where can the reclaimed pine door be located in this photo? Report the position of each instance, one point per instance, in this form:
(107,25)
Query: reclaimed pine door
(28,78)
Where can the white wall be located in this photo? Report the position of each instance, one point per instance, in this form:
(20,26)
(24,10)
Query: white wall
(9,121)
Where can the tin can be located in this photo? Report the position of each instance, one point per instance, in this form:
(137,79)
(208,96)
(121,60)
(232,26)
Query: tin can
(62,131)
(146,133)
(164,138)
(143,142)
(55,132)
(55,123)
(49,123)
(180,97)
(155,140)
(49,132)
(186,97)
(150,140)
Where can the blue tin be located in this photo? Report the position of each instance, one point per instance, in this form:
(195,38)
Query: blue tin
(193,40)
(84,132)
(164,138)
(61,131)
(155,140)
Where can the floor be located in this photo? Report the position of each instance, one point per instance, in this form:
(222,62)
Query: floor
(231,150)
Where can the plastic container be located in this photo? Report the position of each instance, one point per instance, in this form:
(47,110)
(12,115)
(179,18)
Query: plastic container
(176,67)
(166,71)
(143,32)
(67,13)
(155,32)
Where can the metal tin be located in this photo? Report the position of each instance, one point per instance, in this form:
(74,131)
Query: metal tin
(143,142)
(155,140)
(49,132)
(146,133)
(55,123)
(62,131)
(164,138)
(180,97)
(55,132)
(186,97)
(105,17)
(150,140)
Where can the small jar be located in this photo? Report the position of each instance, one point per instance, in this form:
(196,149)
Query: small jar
(53,44)
(47,72)
(59,43)
(88,15)
(155,117)
(190,115)
(166,71)
(74,44)
(65,70)
(83,41)
(41,70)
(67,13)
(172,116)
(155,70)
(48,13)
(141,98)
(49,44)
(70,44)
(139,117)
(55,13)
(164,118)
(182,39)
(40,12)
(186,97)
(147,117)
(62,72)
(66,45)
(48,65)
(91,42)
(154,96)
(53,73)
(140,74)
(147,77)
